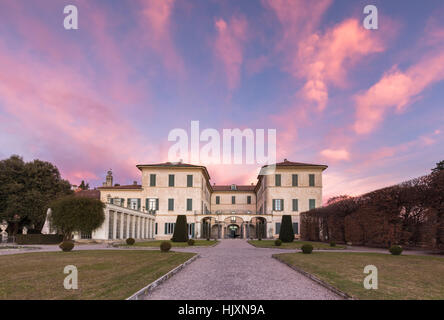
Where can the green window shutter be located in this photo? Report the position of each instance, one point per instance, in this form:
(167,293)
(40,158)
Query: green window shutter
(294,180)
(128,202)
(111,200)
(189,204)
(295,205)
(171,180)
(189,180)
(248,199)
(166,228)
(274,204)
(138,204)
(155,228)
(147,204)
(152,180)
(278,228)
(311,178)
(282,203)
(217,200)
(311,204)
(233,199)
(157,204)
(277,179)
(296,227)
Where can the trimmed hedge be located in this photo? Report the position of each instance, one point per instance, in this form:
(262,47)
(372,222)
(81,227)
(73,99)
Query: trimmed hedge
(307,248)
(286,234)
(190,242)
(66,246)
(130,241)
(165,246)
(277,242)
(38,238)
(180,229)
(395,250)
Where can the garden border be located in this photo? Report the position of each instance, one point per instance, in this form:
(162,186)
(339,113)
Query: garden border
(147,289)
(316,279)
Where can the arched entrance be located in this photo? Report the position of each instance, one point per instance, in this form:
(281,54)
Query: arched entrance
(258,228)
(233,227)
(233,231)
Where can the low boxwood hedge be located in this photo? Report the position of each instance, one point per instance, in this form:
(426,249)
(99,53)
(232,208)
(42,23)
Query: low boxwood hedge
(38,238)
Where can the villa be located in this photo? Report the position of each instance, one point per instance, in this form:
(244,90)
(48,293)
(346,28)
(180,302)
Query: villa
(149,210)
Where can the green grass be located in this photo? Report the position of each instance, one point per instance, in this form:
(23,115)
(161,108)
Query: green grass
(399,277)
(294,245)
(156,243)
(102,274)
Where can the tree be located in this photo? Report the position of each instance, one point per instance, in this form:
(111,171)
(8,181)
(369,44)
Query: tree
(180,229)
(84,186)
(286,234)
(439,167)
(71,214)
(26,188)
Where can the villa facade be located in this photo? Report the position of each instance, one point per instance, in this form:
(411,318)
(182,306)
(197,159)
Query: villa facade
(149,210)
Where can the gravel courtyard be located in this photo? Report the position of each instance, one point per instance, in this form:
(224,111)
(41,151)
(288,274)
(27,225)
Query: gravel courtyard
(236,270)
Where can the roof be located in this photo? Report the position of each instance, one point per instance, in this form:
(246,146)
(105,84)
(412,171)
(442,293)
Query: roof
(174,165)
(125,187)
(238,188)
(287,163)
(93,194)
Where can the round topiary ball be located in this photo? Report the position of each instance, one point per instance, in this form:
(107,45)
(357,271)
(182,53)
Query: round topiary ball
(307,248)
(395,250)
(332,243)
(66,246)
(190,242)
(165,246)
(130,241)
(277,242)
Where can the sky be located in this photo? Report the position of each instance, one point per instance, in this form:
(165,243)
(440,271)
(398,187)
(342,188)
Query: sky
(367,103)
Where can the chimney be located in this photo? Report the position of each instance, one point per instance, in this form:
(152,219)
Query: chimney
(285,160)
(135,183)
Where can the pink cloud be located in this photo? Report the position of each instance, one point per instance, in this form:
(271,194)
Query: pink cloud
(156,20)
(229,47)
(335,154)
(395,90)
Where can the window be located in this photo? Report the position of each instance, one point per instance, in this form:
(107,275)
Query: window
(233,199)
(295,228)
(152,204)
(125,225)
(277,179)
(171,180)
(189,204)
(85,235)
(278,204)
(169,228)
(152,180)
(155,228)
(295,205)
(233,187)
(311,180)
(134,204)
(311,204)
(111,225)
(233,219)
(191,230)
(248,199)
(119,215)
(170,204)
(217,200)
(294,180)
(278,228)
(189,180)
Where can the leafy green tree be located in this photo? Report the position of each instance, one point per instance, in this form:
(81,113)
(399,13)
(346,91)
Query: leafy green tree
(26,188)
(439,167)
(70,214)
(84,186)
(286,234)
(180,230)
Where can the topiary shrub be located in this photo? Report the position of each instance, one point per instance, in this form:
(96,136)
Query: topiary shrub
(165,246)
(277,242)
(130,241)
(180,229)
(395,250)
(332,243)
(286,234)
(190,242)
(208,239)
(307,248)
(66,246)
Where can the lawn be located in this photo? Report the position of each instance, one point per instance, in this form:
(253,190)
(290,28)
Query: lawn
(399,277)
(156,243)
(102,274)
(294,245)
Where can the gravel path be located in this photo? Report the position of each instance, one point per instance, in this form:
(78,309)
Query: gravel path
(236,270)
